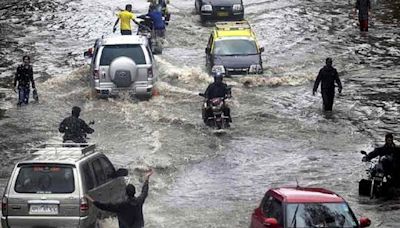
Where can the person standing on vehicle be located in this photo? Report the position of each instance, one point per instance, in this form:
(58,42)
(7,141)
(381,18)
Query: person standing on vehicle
(364,11)
(23,79)
(391,160)
(125,16)
(74,128)
(217,89)
(130,211)
(328,75)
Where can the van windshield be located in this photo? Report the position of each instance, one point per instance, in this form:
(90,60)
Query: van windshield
(43,178)
(133,51)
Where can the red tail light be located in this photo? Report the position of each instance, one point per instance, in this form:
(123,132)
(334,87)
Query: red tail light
(96,74)
(84,206)
(4,205)
(150,72)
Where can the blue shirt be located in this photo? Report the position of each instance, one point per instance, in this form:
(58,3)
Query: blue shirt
(157,18)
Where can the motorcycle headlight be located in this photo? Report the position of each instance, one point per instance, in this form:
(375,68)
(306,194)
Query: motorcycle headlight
(218,68)
(206,8)
(255,69)
(237,7)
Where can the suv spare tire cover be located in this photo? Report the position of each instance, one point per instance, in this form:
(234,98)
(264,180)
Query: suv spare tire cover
(123,71)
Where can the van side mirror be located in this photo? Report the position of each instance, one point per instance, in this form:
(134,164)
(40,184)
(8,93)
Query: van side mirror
(262,49)
(88,53)
(363,152)
(201,95)
(208,50)
(121,173)
(271,222)
(365,222)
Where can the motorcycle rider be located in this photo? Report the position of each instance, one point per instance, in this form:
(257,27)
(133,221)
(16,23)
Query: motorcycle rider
(74,128)
(391,157)
(214,90)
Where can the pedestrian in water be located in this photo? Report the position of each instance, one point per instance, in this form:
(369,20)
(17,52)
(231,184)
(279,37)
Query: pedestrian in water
(328,75)
(130,211)
(23,79)
(74,128)
(364,11)
(125,16)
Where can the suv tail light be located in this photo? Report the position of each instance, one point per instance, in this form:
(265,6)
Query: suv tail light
(4,205)
(84,206)
(96,74)
(150,72)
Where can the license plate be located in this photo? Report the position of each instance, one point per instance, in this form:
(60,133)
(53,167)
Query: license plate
(43,209)
(222,14)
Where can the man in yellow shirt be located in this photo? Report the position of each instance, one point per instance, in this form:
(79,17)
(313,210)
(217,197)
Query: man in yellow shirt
(125,16)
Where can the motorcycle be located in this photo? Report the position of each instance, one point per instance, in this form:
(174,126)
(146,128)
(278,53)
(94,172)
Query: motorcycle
(146,29)
(377,183)
(84,143)
(216,105)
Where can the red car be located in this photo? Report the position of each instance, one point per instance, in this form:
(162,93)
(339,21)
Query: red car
(304,207)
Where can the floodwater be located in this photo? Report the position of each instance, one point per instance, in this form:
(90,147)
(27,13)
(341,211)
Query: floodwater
(279,136)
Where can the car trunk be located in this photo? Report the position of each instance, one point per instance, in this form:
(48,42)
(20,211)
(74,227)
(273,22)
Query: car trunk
(45,196)
(115,71)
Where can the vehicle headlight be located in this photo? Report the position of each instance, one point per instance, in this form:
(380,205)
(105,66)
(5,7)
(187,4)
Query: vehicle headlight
(237,7)
(255,68)
(206,8)
(218,68)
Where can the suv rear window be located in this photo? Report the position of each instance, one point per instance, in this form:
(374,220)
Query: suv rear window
(45,179)
(133,51)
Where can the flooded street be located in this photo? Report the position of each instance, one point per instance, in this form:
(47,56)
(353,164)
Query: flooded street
(279,132)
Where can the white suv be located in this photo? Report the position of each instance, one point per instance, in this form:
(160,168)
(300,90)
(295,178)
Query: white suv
(49,190)
(122,63)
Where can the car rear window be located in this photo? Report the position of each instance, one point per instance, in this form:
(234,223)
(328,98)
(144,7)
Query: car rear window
(110,52)
(45,179)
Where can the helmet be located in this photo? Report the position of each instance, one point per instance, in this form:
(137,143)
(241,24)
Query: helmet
(218,74)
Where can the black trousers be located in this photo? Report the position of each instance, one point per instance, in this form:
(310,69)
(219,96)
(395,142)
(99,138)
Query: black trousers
(328,96)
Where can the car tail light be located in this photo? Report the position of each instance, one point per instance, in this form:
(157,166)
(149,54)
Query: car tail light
(96,74)
(4,205)
(84,206)
(150,72)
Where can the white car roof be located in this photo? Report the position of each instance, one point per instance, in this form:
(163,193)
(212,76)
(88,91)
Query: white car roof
(124,39)
(59,155)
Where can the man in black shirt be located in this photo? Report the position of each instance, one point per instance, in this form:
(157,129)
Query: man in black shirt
(217,89)
(364,10)
(130,211)
(74,128)
(23,79)
(328,75)
(391,157)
